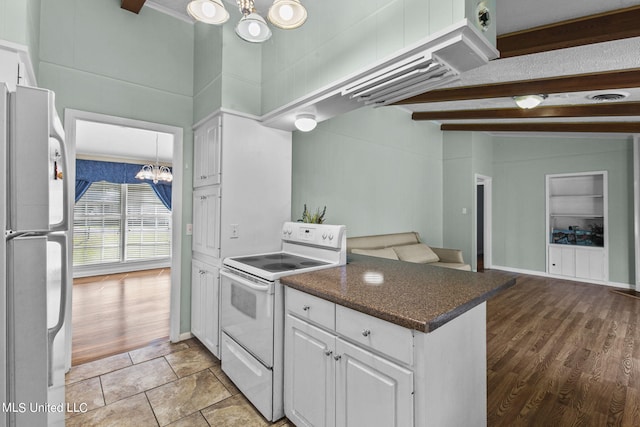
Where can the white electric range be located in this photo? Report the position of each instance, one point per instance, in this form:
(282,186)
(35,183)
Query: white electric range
(252,308)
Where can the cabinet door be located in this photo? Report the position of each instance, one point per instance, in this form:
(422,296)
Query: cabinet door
(589,264)
(210,303)
(309,375)
(206,221)
(206,153)
(562,261)
(370,390)
(197,271)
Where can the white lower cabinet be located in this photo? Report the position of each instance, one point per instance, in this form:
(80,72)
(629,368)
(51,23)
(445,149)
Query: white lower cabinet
(371,390)
(205,304)
(330,381)
(310,368)
(577,262)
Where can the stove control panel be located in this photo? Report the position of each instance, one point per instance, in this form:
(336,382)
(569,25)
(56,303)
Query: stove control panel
(326,235)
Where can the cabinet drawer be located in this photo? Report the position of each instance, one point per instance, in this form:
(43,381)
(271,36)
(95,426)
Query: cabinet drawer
(311,308)
(378,334)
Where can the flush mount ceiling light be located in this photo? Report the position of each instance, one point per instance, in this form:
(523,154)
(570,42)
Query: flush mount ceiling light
(527,102)
(285,14)
(305,122)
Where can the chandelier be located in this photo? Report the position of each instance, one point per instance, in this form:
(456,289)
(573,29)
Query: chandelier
(155,172)
(285,14)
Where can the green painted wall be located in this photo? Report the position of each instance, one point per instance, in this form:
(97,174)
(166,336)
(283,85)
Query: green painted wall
(227,70)
(465,155)
(100,58)
(207,69)
(326,49)
(519,169)
(20,23)
(376,170)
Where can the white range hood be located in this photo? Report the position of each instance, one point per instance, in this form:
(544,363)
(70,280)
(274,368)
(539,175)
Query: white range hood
(437,60)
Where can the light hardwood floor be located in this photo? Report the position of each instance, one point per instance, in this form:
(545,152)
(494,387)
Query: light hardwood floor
(117,313)
(559,353)
(562,353)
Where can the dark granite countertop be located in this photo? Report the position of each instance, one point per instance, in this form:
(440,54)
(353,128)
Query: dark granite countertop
(415,296)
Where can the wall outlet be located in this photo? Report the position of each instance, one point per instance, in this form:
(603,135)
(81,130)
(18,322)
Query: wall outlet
(234,231)
(189,229)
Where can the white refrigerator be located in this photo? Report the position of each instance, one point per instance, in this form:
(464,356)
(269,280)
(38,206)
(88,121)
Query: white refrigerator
(34,285)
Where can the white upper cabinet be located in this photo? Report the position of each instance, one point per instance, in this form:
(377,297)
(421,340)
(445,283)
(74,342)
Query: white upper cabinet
(207,153)
(206,221)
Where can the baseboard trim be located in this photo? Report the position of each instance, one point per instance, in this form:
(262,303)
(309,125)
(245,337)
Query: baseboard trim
(553,276)
(184,336)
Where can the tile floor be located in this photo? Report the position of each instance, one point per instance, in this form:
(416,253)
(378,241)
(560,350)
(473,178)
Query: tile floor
(160,385)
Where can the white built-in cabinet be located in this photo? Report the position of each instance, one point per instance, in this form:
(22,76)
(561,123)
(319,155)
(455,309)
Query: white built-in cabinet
(206,221)
(205,287)
(346,368)
(207,151)
(241,198)
(330,380)
(577,243)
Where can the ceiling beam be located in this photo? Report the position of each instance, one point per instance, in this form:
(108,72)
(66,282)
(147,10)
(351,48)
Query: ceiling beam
(603,27)
(132,5)
(611,109)
(618,79)
(593,127)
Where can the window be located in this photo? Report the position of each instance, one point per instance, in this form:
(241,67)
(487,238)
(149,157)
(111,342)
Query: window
(120,223)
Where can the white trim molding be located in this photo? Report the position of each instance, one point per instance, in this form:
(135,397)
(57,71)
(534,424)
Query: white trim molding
(567,278)
(70,118)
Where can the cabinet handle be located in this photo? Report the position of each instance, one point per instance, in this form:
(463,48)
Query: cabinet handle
(366,332)
(306,308)
(328,353)
(203,197)
(201,272)
(337,357)
(203,176)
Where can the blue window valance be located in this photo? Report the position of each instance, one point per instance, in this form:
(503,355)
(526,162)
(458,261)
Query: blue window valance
(88,171)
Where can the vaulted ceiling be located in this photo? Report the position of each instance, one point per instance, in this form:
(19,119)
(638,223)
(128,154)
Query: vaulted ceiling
(588,67)
(593,52)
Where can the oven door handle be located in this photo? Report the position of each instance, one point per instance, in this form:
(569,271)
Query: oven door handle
(267,287)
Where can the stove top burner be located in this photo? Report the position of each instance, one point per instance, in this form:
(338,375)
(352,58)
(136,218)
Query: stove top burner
(279,266)
(279,262)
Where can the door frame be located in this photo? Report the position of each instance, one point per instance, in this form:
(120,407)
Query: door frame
(71,116)
(486,182)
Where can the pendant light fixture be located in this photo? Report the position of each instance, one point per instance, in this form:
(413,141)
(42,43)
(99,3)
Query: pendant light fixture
(285,14)
(208,11)
(252,27)
(155,172)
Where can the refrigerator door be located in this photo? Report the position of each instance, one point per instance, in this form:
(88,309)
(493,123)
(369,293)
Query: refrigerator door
(3,252)
(36,273)
(38,188)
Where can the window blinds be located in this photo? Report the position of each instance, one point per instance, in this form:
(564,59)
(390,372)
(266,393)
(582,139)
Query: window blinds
(115,223)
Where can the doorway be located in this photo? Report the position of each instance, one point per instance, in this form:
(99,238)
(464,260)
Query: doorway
(482,224)
(170,274)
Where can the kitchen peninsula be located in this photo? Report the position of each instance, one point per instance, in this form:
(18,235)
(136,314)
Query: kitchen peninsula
(388,343)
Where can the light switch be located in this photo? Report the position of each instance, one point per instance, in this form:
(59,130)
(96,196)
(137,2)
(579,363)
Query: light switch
(189,229)
(234,231)
(464,211)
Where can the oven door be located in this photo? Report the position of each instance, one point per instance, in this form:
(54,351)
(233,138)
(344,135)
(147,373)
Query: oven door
(246,314)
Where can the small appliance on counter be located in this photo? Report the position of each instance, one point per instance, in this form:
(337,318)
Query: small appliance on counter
(252,308)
